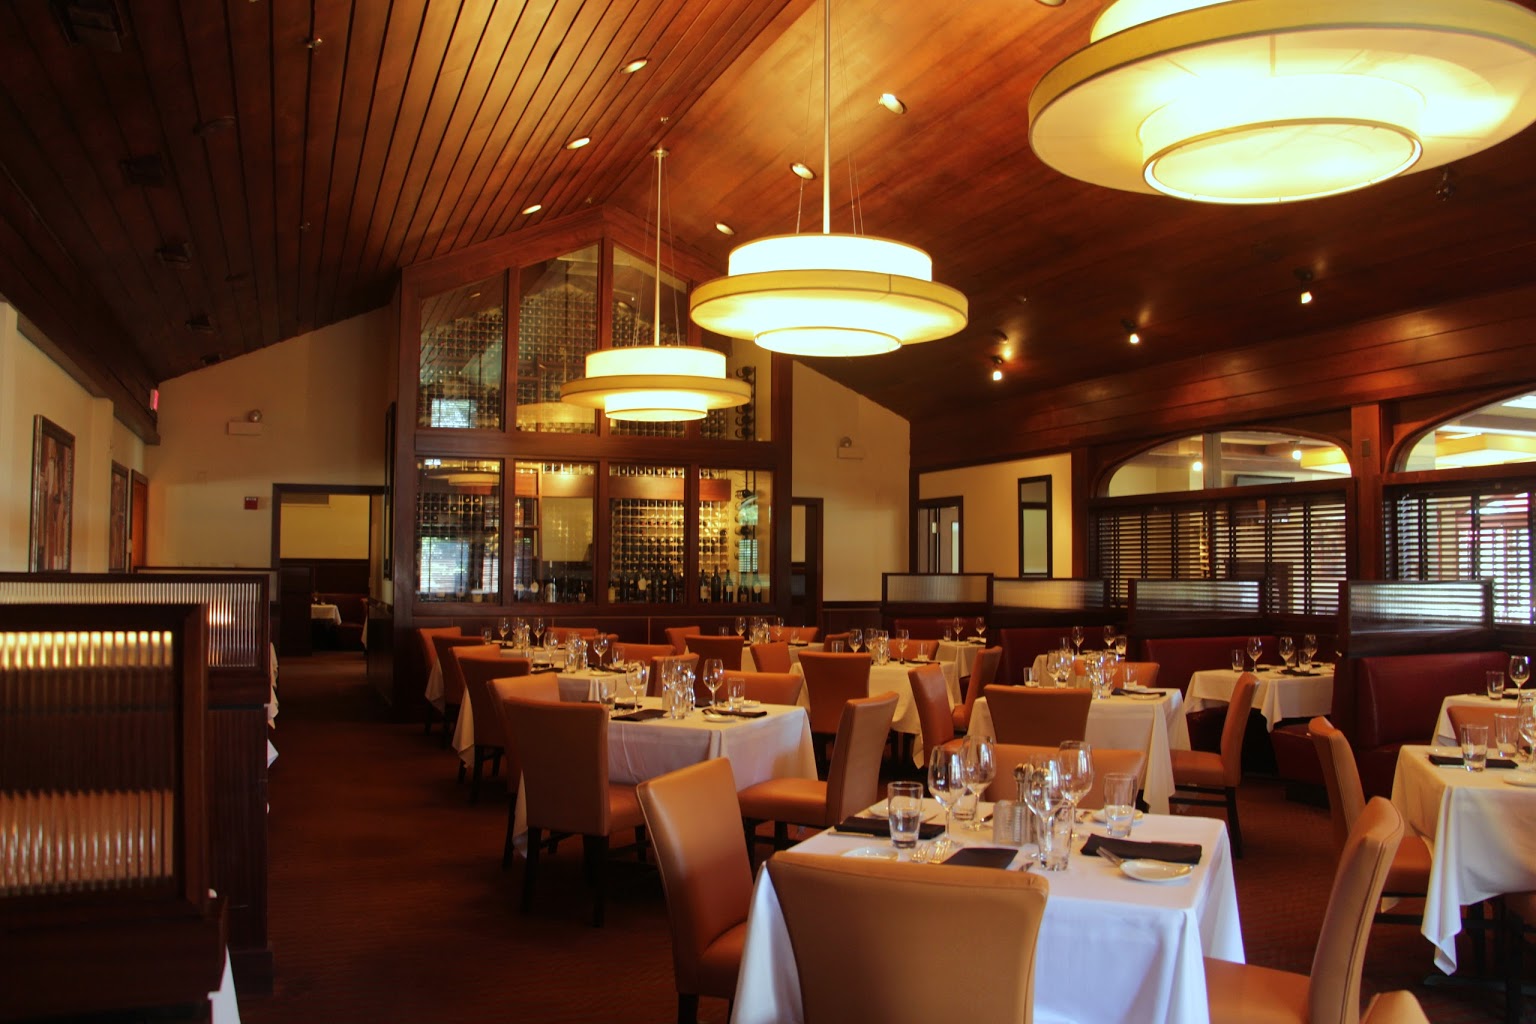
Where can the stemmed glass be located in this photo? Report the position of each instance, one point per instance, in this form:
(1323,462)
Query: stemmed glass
(741,627)
(959,629)
(1255,650)
(1076,758)
(599,648)
(1527,713)
(634,679)
(1109,638)
(1077,639)
(901,643)
(1061,667)
(538,631)
(946,783)
(981,629)
(980,769)
(504,626)
(1120,644)
(1288,652)
(714,675)
(1519,670)
(855,640)
(1040,783)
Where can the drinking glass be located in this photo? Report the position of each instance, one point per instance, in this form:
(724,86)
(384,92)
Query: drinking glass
(1288,652)
(1077,639)
(1128,677)
(1474,747)
(855,640)
(504,626)
(1519,670)
(1076,758)
(902,636)
(980,769)
(538,631)
(618,655)
(904,812)
(1304,660)
(1120,644)
(600,647)
(1309,646)
(634,679)
(736,692)
(981,629)
(834,647)
(1255,650)
(1095,671)
(1506,734)
(946,783)
(714,675)
(1495,683)
(485,633)
(1109,638)
(1527,716)
(741,626)
(1119,803)
(1237,659)
(1040,786)
(603,685)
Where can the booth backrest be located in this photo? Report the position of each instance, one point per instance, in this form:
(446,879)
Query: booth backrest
(1180,657)
(1398,697)
(933,628)
(1022,645)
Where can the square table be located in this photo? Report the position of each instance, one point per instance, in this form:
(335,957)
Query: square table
(749,665)
(1127,723)
(893,677)
(1276,696)
(1110,948)
(1445,735)
(963,653)
(325,613)
(1479,829)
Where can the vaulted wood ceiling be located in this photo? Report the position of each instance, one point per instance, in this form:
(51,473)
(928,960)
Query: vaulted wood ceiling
(237,173)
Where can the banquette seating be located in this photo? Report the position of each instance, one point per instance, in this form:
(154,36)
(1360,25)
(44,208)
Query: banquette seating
(354,612)
(1022,645)
(1179,658)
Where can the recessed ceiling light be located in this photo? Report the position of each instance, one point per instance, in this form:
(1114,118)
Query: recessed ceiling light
(1130,327)
(535,208)
(1007,353)
(802,170)
(724,229)
(1296,454)
(890,101)
(1197,465)
(997,374)
(577,143)
(634,65)
(997,367)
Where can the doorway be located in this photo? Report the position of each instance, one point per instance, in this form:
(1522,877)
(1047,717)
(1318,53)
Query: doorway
(939,534)
(805,562)
(328,555)
(138,520)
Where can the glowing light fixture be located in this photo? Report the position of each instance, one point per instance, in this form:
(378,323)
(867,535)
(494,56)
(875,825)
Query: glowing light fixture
(1131,334)
(890,101)
(579,142)
(634,65)
(803,170)
(1266,101)
(724,228)
(656,383)
(997,367)
(529,211)
(829,294)
(1304,275)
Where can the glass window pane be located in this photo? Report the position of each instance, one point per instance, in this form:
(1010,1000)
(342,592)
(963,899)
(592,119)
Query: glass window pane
(1035,556)
(463,334)
(735,535)
(645,517)
(556,328)
(1495,435)
(1233,458)
(744,360)
(634,307)
(551,532)
(458,530)
(1036,490)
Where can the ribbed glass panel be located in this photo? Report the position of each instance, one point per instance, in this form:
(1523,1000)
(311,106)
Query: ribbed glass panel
(1398,606)
(88,763)
(936,588)
(1049,594)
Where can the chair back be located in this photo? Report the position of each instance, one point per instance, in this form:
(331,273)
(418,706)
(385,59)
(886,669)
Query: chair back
(1466,714)
(1146,673)
(772,657)
(1346,796)
(983,674)
(850,921)
(831,638)
(694,821)
(727,648)
(1236,727)
(1106,761)
(832,680)
(564,633)
(675,635)
(914,649)
(1400,1007)
(478,666)
(770,687)
(853,782)
(691,660)
(542,686)
(1042,717)
(424,635)
(564,750)
(1333,995)
(453,679)
(645,653)
(931,695)
(804,634)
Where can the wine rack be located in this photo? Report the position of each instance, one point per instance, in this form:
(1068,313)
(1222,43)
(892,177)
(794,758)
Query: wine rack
(556,329)
(647,563)
(463,335)
(733,567)
(458,530)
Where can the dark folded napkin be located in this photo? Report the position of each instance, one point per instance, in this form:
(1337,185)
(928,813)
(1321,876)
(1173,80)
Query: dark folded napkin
(1295,672)
(624,705)
(982,857)
(1447,760)
(1121,691)
(1511,694)
(1131,849)
(643,715)
(881,827)
(737,712)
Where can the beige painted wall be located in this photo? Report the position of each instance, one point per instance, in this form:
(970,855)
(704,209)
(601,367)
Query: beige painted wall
(990,530)
(865,528)
(337,529)
(322,397)
(32,384)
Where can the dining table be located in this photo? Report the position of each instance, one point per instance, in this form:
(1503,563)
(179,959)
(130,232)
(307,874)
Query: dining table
(1110,948)
(962,652)
(1478,826)
(795,650)
(325,613)
(1278,694)
(1446,736)
(893,677)
(1151,721)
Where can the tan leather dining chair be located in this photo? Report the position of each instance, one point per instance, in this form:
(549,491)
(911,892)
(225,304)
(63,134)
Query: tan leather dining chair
(831,680)
(677,635)
(1244,993)
(800,634)
(770,687)
(930,695)
(645,653)
(1146,673)
(772,657)
(542,686)
(852,784)
(1409,874)
(453,679)
(691,815)
(850,926)
(424,635)
(1042,717)
(915,649)
(478,666)
(564,750)
(1106,761)
(727,648)
(1466,714)
(1400,1007)
(653,686)
(1212,776)
(564,633)
(983,674)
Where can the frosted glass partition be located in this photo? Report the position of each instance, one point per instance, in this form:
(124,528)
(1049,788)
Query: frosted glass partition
(237,605)
(937,588)
(1195,598)
(1392,616)
(1059,594)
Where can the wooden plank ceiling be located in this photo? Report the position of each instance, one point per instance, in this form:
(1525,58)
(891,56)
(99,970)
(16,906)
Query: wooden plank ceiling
(186,182)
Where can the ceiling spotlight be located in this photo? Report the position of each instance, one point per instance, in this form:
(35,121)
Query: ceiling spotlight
(997,367)
(803,170)
(997,374)
(1130,331)
(634,65)
(1197,466)
(577,143)
(724,228)
(1296,454)
(890,101)
(1304,275)
(535,208)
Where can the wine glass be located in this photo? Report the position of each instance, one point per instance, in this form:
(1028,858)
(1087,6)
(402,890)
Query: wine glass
(1528,733)
(538,631)
(981,629)
(959,629)
(855,640)
(741,626)
(1040,784)
(1077,639)
(714,675)
(1109,638)
(901,643)
(1288,652)
(1061,668)
(1255,650)
(980,768)
(1076,758)
(600,648)
(1309,645)
(946,783)
(634,679)
(1519,670)
(504,626)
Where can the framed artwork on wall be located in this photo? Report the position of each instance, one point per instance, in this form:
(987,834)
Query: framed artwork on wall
(53,496)
(117,528)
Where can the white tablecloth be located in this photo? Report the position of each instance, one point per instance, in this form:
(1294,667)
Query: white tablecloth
(1275,696)
(325,613)
(271,700)
(1445,735)
(464,725)
(962,654)
(893,677)
(224,1005)
(1110,948)
(1127,723)
(1479,830)
(749,665)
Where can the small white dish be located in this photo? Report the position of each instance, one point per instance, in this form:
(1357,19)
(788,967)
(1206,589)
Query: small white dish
(1140,695)
(874,853)
(1098,816)
(1525,780)
(1155,870)
(711,716)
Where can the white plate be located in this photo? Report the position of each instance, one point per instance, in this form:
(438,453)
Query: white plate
(874,853)
(1519,778)
(1098,816)
(710,716)
(1134,695)
(1155,870)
